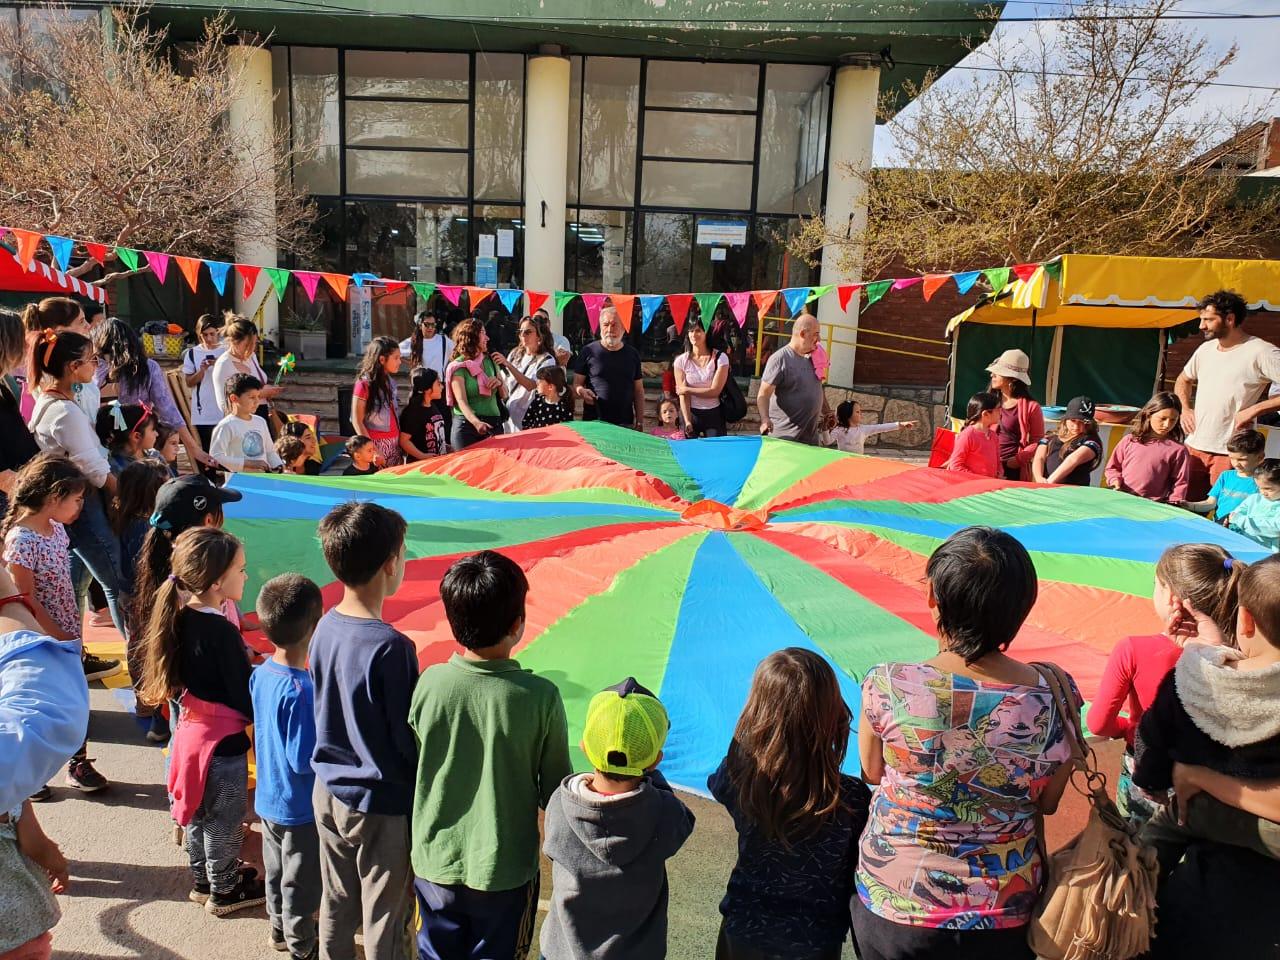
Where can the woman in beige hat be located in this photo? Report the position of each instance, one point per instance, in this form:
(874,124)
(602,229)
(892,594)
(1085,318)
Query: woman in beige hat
(1021,419)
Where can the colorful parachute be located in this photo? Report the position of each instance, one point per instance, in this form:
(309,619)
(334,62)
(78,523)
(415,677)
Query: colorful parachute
(685,563)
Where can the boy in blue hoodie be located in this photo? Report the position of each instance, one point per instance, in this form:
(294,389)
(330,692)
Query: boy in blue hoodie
(610,833)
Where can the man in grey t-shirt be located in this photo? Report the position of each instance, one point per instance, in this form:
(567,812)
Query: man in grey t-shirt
(791,400)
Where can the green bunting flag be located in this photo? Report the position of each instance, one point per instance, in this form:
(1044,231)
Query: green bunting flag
(279,280)
(563,299)
(424,290)
(818,292)
(1053,269)
(998,277)
(877,290)
(128,256)
(707,303)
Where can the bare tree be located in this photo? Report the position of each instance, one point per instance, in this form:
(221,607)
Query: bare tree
(1072,138)
(122,137)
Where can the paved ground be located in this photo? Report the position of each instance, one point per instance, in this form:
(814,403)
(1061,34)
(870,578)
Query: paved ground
(128,897)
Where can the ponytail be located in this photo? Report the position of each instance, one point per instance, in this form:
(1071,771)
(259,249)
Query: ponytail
(981,403)
(51,312)
(154,560)
(52,352)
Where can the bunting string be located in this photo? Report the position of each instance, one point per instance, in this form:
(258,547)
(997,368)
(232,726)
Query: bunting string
(793,300)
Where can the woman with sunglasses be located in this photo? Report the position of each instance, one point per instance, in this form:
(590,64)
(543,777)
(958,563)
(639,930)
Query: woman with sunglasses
(520,368)
(426,347)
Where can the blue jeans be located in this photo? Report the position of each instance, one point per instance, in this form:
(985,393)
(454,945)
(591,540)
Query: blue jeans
(459,923)
(97,549)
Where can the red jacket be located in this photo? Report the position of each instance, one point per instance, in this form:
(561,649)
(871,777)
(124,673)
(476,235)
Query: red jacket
(1031,426)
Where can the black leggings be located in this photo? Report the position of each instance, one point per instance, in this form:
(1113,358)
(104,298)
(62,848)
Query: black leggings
(706,423)
(881,939)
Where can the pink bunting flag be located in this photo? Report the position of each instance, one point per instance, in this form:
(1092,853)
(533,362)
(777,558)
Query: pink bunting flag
(845,292)
(451,293)
(594,302)
(158,262)
(310,281)
(904,283)
(679,305)
(250,275)
(738,304)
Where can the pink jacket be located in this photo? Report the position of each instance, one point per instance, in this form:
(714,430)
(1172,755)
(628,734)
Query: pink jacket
(1031,426)
(202,727)
(1158,469)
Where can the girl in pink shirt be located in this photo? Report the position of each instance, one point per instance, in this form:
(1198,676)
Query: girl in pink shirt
(977,449)
(1192,578)
(1151,460)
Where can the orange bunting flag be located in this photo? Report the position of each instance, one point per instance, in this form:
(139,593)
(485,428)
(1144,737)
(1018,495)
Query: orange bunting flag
(679,305)
(339,282)
(28,240)
(764,300)
(477,295)
(250,274)
(933,282)
(1025,271)
(846,292)
(624,303)
(190,268)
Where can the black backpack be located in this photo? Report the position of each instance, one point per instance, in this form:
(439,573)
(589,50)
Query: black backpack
(733,403)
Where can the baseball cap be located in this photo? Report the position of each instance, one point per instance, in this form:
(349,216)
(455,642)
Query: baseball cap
(1080,408)
(625,730)
(184,501)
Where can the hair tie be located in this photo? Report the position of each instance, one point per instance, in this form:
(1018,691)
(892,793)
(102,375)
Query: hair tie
(147,411)
(173,578)
(49,337)
(117,417)
(1227,564)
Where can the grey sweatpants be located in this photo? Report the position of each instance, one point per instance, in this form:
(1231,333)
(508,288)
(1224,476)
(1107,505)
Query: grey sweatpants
(291,856)
(1207,819)
(216,832)
(364,864)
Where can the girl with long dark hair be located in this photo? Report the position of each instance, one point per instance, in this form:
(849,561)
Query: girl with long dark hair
(375,400)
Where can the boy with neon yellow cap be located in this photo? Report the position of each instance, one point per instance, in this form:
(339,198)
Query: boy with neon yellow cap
(610,833)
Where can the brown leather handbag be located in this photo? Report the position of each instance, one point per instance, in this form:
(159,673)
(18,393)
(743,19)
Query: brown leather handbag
(1099,896)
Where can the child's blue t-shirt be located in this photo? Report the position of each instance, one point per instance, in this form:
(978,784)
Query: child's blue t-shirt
(284,730)
(1229,490)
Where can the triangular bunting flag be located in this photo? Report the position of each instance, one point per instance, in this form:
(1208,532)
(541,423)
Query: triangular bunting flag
(279,279)
(877,290)
(394,286)
(846,293)
(310,281)
(339,282)
(738,303)
(450,292)
(536,299)
(649,304)
(61,247)
(707,303)
(1025,271)
(1053,269)
(625,304)
(158,262)
(965,281)
(424,289)
(98,251)
(905,282)
(593,302)
(249,273)
(795,298)
(190,268)
(998,277)
(763,300)
(362,278)
(933,282)
(563,299)
(28,240)
(128,256)
(510,298)
(477,296)
(679,306)
(816,293)
(218,274)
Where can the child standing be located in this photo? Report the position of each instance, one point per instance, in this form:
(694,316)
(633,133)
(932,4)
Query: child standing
(364,455)
(609,835)
(422,430)
(1245,452)
(668,421)
(241,440)
(1258,517)
(550,404)
(1150,461)
(365,756)
(798,817)
(128,431)
(194,655)
(977,449)
(284,728)
(850,433)
(1188,576)
(168,444)
(493,747)
(1070,455)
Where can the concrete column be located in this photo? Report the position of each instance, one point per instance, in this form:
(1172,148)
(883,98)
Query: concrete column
(853,130)
(546,158)
(252,120)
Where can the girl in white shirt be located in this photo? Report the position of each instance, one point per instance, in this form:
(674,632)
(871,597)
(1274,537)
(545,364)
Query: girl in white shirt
(850,433)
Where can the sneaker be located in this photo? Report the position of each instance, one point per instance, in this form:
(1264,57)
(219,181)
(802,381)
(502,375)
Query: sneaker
(313,955)
(82,776)
(41,795)
(200,889)
(159,730)
(95,668)
(276,941)
(199,893)
(248,892)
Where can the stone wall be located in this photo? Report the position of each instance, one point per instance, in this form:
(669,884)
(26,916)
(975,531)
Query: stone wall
(881,403)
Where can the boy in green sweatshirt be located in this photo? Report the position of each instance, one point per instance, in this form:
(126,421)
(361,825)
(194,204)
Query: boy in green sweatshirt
(492,747)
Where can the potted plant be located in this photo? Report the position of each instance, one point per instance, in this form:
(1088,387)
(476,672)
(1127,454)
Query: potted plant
(304,333)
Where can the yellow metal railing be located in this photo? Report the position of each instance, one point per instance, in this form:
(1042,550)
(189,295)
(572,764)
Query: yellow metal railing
(829,339)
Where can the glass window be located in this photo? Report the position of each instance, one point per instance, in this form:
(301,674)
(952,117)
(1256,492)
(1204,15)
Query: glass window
(499,124)
(407,241)
(716,186)
(488,221)
(374,123)
(662,263)
(610,123)
(773,265)
(703,136)
(794,139)
(8,25)
(313,109)
(385,73)
(403,174)
(733,272)
(280,87)
(575,128)
(443,234)
(599,250)
(715,86)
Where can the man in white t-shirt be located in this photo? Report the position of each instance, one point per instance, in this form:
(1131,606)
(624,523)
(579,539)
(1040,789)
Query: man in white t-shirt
(1231,373)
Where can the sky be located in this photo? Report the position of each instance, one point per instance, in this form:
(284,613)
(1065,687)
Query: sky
(1256,61)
